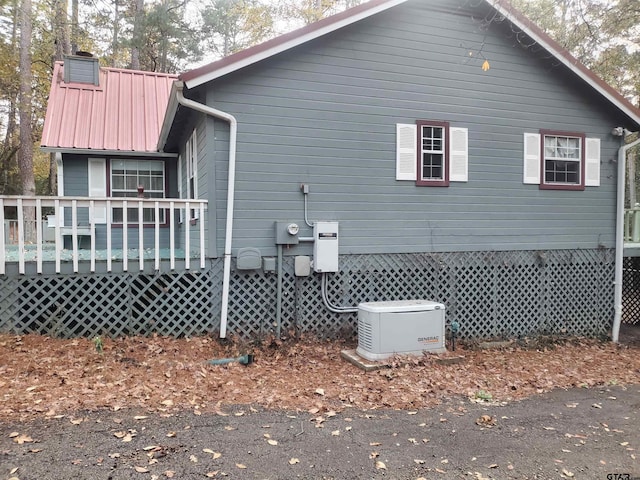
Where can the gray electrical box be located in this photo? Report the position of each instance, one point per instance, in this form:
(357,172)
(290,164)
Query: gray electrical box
(325,247)
(287,233)
(249,259)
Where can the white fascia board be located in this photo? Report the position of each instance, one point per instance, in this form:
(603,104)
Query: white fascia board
(496,4)
(169,116)
(294,42)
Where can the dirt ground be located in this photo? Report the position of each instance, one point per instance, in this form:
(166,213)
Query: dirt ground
(153,408)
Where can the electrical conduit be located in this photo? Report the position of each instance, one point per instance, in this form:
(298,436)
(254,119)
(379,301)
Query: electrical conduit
(233,135)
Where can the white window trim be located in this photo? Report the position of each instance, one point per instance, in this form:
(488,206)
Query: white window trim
(191,160)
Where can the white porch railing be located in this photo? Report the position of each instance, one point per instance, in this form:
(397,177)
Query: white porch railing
(26,233)
(632,225)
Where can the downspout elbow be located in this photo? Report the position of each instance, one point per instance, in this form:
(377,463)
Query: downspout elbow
(233,135)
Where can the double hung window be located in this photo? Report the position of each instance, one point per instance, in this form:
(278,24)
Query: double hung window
(135,178)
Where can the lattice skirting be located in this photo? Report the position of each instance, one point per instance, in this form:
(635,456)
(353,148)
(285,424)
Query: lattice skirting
(491,294)
(631,291)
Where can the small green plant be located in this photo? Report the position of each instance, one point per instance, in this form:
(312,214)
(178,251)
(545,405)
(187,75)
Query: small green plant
(483,395)
(99,344)
(613,381)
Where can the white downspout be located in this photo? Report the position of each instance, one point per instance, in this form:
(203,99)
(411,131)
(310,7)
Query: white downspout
(231,180)
(622,167)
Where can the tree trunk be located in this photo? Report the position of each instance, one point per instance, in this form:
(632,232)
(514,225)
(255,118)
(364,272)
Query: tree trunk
(7,186)
(116,33)
(25,155)
(61,30)
(74,26)
(137,34)
(63,47)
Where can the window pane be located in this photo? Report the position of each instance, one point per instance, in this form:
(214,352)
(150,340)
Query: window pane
(432,166)
(127,175)
(432,138)
(557,171)
(117,182)
(563,155)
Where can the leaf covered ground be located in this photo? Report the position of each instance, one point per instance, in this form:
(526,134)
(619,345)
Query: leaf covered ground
(42,376)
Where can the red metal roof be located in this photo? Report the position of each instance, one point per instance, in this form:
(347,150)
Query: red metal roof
(123,113)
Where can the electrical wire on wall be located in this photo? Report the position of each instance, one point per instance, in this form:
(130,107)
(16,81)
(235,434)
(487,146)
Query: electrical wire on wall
(328,304)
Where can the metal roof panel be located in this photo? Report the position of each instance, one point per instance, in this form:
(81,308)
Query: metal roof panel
(123,113)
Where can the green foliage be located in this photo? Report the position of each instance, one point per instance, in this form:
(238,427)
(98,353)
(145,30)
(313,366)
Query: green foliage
(309,11)
(99,344)
(229,26)
(602,35)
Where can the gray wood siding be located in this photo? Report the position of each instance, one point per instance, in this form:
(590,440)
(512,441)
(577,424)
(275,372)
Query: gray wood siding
(325,114)
(201,126)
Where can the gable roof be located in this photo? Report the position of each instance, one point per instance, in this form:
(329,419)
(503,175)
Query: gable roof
(232,63)
(123,114)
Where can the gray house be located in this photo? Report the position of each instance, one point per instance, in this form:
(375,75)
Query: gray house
(404,149)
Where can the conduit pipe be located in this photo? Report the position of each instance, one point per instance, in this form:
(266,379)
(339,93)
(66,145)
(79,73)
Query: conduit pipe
(231,180)
(328,304)
(622,167)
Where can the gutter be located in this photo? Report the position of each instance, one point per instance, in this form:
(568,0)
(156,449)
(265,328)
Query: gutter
(622,167)
(233,133)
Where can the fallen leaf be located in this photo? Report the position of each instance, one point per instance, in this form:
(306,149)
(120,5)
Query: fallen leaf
(169,473)
(21,439)
(150,447)
(171,434)
(293,461)
(216,455)
(375,444)
(380,465)
(567,473)
(167,403)
(335,433)
(486,421)
(193,458)
(211,474)
(140,417)
(320,391)
(272,442)
(141,469)
(419,462)
(241,466)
